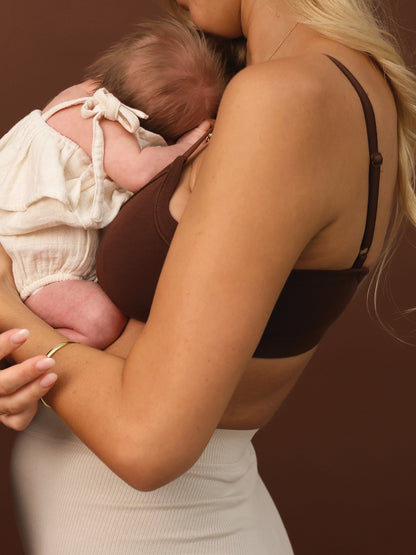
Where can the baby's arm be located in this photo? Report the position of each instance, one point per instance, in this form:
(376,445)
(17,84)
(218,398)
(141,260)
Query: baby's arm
(124,162)
(80,310)
(132,168)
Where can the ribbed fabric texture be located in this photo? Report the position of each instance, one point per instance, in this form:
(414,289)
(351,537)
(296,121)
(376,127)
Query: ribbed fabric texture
(68,502)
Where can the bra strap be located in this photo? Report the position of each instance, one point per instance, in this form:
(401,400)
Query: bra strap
(376,160)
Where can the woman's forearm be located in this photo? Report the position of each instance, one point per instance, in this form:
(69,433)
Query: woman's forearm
(93,395)
(87,401)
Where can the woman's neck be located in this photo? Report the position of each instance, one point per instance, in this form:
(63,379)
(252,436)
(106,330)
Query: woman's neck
(269,27)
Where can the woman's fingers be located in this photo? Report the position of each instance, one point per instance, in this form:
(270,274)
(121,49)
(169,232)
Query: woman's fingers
(22,385)
(18,375)
(25,397)
(19,422)
(11,340)
(18,408)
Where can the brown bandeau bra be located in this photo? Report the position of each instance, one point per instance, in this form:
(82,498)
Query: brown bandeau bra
(134,247)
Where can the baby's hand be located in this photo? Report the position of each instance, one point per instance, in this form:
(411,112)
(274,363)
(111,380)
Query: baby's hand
(154,159)
(190,138)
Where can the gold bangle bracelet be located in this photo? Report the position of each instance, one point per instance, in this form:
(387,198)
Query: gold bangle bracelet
(57,348)
(50,354)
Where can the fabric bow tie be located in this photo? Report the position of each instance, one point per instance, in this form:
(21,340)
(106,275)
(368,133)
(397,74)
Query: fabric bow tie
(105,105)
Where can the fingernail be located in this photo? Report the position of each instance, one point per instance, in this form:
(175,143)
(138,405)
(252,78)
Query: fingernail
(45,364)
(48,380)
(19,336)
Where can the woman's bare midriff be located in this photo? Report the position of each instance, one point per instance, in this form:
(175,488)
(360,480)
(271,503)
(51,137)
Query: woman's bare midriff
(263,387)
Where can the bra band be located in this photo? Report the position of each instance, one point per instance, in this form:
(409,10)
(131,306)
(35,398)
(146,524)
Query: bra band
(376,160)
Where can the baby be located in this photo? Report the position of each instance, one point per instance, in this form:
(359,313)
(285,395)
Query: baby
(66,171)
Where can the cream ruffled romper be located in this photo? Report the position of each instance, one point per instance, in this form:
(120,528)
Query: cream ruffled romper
(54,198)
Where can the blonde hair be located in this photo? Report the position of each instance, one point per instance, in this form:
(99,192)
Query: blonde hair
(358,24)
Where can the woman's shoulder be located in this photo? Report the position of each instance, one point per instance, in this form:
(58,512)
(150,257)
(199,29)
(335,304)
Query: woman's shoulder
(290,94)
(287,97)
(295,79)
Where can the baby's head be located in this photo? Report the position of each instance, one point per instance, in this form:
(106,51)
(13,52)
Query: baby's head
(170,71)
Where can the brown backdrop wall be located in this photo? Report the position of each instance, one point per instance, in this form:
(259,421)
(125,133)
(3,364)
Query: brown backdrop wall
(340,456)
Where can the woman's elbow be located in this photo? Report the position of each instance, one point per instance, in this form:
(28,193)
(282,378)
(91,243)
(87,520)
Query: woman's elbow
(147,469)
(146,479)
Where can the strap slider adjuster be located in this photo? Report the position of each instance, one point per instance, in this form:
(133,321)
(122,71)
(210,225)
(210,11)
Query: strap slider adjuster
(376,159)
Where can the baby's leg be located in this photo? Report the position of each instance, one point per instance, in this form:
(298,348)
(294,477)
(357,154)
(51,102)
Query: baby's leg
(80,310)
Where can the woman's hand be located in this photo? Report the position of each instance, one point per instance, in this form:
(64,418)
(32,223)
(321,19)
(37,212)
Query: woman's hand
(22,385)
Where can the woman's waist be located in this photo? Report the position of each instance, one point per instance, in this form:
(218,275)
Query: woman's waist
(262,389)
(226,446)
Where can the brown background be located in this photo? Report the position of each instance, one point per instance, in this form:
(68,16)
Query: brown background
(340,457)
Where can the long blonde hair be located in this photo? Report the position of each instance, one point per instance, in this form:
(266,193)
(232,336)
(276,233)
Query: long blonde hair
(354,23)
(358,24)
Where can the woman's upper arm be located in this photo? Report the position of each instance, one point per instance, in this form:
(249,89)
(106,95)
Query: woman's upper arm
(257,203)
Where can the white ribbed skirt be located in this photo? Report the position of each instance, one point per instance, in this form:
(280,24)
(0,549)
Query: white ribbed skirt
(68,502)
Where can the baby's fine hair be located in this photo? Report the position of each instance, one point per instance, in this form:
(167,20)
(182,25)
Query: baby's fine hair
(169,70)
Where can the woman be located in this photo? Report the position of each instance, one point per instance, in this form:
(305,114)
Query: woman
(283,184)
